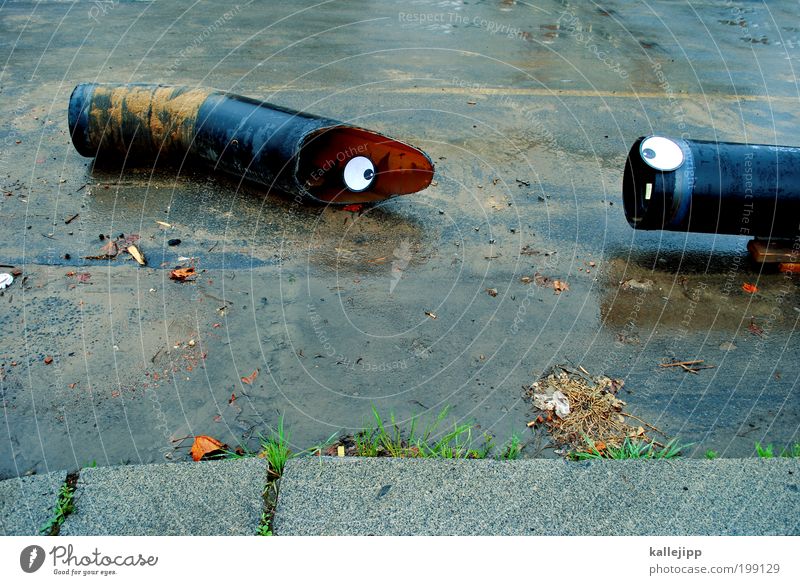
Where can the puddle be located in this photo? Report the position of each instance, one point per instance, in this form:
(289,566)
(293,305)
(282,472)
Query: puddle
(341,311)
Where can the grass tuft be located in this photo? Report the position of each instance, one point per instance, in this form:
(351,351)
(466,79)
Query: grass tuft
(768,451)
(630,450)
(512,449)
(65,505)
(389,440)
(275,449)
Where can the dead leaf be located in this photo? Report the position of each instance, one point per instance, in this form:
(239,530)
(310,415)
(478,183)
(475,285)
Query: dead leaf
(204,445)
(526,280)
(182,274)
(107,252)
(749,288)
(137,255)
(110,250)
(755,329)
(251,378)
(492,292)
(232,399)
(123,242)
(560,286)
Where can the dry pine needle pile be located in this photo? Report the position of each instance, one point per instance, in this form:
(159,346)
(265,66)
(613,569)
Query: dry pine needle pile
(595,416)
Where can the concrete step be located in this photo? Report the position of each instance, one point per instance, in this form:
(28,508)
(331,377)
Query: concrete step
(27,503)
(205,498)
(357,496)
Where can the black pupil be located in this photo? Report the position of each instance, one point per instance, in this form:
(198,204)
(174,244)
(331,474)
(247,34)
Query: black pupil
(649,153)
(368,174)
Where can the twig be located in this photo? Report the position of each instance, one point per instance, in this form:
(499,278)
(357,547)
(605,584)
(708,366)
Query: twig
(686,363)
(71,219)
(648,425)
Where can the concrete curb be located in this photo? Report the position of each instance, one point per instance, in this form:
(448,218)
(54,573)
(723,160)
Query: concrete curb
(208,498)
(357,496)
(383,496)
(27,503)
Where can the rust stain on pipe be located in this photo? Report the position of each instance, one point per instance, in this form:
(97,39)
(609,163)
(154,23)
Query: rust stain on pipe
(141,117)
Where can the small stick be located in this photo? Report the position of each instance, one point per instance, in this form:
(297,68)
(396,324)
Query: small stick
(687,363)
(688,369)
(70,219)
(648,425)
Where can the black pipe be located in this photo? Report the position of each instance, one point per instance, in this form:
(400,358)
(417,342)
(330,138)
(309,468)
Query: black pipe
(275,147)
(713,187)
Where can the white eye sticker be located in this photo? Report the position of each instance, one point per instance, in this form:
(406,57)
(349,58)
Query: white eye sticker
(359,173)
(660,153)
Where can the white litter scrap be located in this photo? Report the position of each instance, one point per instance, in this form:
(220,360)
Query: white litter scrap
(552,400)
(5,280)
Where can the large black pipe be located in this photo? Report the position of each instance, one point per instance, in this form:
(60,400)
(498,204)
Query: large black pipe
(713,187)
(275,147)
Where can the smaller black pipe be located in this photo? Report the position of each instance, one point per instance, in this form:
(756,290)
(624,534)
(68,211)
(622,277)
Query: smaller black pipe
(720,187)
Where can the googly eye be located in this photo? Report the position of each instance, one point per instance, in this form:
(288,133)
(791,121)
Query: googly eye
(359,173)
(660,153)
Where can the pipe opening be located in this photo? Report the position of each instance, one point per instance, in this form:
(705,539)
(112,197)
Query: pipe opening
(397,168)
(646,192)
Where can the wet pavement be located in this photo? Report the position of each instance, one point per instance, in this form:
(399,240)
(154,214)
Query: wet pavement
(528,112)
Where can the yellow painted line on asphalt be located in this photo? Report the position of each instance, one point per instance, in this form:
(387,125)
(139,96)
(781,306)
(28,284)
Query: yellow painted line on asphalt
(553,93)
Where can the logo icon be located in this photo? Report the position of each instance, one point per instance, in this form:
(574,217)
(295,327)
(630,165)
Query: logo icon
(402,258)
(31,558)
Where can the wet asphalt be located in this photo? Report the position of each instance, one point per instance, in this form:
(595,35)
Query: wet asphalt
(528,111)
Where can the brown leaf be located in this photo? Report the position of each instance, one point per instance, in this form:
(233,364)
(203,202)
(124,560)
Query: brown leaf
(203,445)
(560,286)
(125,241)
(137,255)
(492,292)
(749,288)
(251,378)
(182,274)
(755,329)
(110,250)
(107,252)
